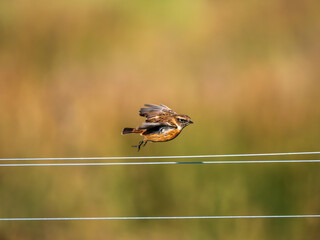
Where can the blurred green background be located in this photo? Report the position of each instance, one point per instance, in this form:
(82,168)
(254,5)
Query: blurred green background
(74,73)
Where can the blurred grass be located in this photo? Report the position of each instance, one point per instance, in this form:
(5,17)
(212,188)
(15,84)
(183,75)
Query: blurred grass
(74,73)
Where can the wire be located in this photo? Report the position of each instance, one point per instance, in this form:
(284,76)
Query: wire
(158,218)
(159,163)
(161,157)
(150,163)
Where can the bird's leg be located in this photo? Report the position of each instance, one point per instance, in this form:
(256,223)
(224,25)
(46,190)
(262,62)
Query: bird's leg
(145,143)
(139,145)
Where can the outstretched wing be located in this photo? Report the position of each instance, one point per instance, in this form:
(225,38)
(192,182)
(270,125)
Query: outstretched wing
(155,110)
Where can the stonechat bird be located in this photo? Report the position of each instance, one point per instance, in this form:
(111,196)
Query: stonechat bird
(161,124)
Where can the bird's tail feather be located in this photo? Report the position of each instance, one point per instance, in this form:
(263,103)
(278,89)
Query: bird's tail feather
(128,130)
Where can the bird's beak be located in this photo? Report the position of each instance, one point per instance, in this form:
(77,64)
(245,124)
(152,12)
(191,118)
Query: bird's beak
(190,122)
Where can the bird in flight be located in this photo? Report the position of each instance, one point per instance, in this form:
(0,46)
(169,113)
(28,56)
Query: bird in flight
(161,125)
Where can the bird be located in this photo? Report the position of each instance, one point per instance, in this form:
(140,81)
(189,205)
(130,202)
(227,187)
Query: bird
(161,125)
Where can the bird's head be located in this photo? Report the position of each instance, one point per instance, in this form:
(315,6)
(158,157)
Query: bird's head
(183,120)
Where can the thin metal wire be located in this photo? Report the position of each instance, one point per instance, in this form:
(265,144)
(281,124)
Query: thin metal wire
(158,218)
(150,163)
(159,163)
(160,157)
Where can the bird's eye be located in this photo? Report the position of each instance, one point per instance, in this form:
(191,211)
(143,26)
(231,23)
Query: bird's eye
(182,120)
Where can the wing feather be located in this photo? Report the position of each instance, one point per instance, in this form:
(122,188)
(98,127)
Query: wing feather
(154,128)
(153,110)
(148,125)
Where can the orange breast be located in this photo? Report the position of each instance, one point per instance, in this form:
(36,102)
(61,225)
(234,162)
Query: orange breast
(163,137)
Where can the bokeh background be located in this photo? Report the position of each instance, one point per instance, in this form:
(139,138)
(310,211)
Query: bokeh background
(74,73)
